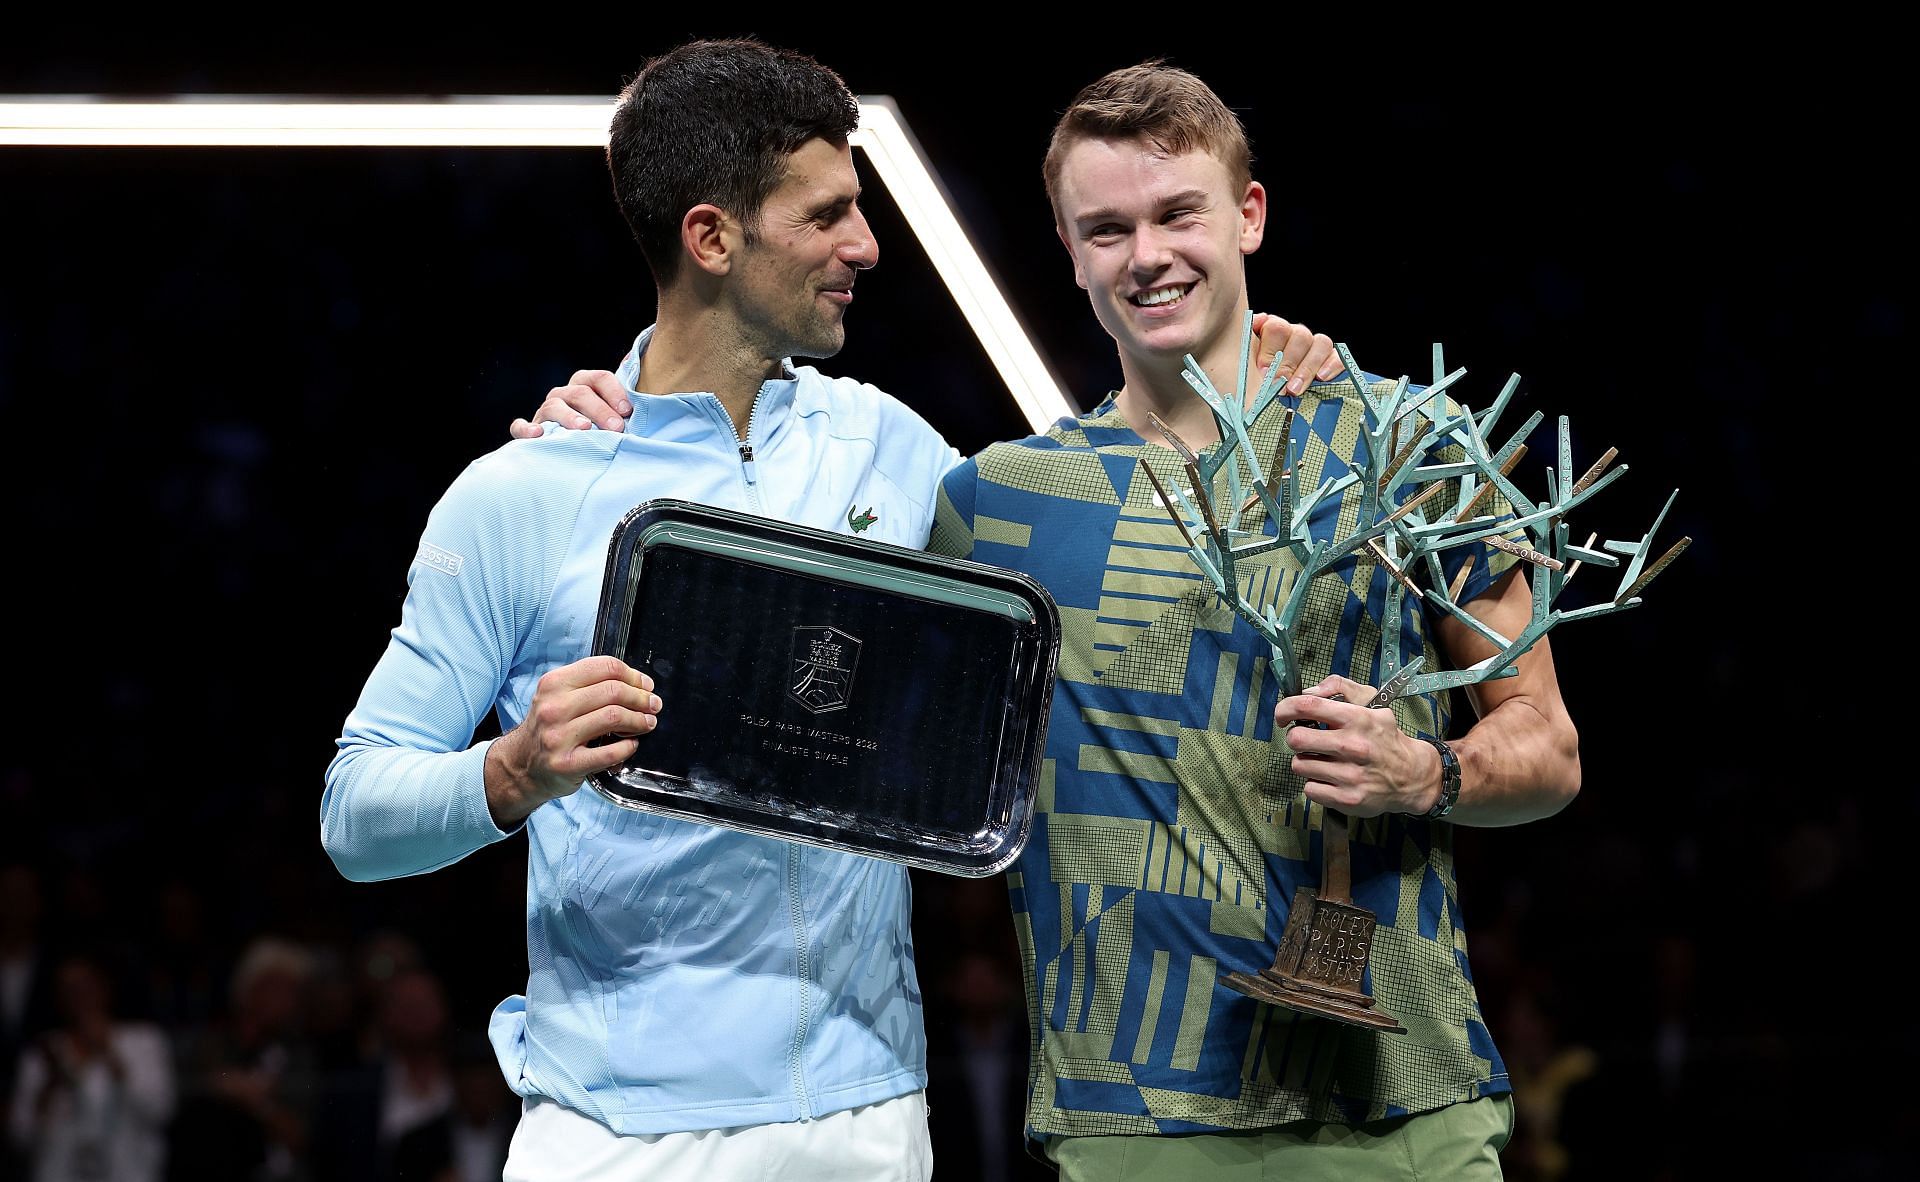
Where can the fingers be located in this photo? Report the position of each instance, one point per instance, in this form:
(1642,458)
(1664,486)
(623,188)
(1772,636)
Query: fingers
(1322,361)
(1302,354)
(1288,348)
(1332,782)
(1351,800)
(588,760)
(1310,743)
(591,699)
(1334,684)
(1325,705)
(593,397)
(578,706)
(522,429)
(605,737)
(1299,342)
(584,718)
(590,671)
(607,386)
(576,408)
(579,716)
(1270,337)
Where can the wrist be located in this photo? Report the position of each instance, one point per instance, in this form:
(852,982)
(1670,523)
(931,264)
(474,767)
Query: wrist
(1448,793)
(512,793)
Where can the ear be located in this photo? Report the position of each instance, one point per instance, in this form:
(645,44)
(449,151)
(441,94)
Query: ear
(1079,270)
(1253,217)
(710,238)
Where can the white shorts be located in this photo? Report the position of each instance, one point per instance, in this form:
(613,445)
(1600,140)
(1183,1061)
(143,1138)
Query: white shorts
(884,1142)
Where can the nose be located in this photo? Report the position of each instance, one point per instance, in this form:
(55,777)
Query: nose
(860,250)
(1152,253)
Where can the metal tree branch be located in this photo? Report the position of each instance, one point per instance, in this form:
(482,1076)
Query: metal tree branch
(1400,484)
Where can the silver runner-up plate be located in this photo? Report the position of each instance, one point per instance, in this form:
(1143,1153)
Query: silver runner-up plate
(825,689)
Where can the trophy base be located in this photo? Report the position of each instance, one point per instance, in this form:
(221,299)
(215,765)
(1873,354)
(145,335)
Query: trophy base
(1304,997)
(1321,965)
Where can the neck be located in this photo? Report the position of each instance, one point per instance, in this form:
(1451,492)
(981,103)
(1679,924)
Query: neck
(1156,386)
(697,348)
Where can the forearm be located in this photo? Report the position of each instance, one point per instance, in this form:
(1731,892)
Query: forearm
(1519,763)
(1521,759)
(390,812)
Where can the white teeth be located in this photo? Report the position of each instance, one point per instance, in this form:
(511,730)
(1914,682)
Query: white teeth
(1164,295)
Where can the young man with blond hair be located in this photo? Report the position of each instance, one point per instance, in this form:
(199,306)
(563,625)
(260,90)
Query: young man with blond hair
(1173,822)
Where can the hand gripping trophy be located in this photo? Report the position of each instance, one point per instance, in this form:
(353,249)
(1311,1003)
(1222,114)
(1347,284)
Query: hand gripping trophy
(1323,955)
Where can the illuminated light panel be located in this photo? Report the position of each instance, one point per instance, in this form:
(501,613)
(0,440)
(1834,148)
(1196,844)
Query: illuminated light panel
(506,121)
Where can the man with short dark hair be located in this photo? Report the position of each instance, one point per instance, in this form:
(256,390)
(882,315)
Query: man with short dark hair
(702,1003)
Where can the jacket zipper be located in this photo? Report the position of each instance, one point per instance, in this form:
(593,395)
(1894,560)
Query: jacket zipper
(802,976)
(747,471)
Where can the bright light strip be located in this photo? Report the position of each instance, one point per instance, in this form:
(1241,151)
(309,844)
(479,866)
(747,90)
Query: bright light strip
(559,122)
(909,178)
(479,122)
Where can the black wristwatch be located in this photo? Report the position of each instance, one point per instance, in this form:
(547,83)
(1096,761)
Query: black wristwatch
(1449,781)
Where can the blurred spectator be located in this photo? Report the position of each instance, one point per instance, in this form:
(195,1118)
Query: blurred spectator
(383,956)
(1544,1070)
(93,1095)
(977,1036)
(251,1081)
(334,1019)
(977,1072)
(182,974)
(26,987)
(407,1085)
(469,1142)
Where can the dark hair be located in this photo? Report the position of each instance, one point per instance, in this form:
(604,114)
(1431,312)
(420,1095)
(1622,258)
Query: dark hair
(712,122)
(1164,105)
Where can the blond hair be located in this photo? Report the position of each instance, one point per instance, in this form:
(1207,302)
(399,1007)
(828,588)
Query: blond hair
(1164,105)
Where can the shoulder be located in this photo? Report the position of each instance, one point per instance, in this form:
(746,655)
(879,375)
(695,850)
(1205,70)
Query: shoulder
(853,409)
(526,482)
(1071,451)
(521,465)
(1378,390)
(906,448)
(1343,389)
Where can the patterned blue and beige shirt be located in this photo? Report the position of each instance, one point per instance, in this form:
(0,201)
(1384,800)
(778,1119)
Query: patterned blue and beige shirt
(1170,831)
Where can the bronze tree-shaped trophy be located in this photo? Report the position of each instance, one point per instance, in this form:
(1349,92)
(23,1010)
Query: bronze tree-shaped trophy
(1322,958)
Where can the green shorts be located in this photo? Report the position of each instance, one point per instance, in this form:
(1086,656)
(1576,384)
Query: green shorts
(1460,1141)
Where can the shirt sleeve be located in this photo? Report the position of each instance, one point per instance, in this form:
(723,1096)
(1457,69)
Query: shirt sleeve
(405,793)
(953,512)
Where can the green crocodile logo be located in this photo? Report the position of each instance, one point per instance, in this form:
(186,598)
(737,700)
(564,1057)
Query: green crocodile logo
(862,520)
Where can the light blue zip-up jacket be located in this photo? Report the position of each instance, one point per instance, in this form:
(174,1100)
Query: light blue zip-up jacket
(683,976)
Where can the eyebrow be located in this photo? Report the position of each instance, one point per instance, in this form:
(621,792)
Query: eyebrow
(822,208)
(1184,197)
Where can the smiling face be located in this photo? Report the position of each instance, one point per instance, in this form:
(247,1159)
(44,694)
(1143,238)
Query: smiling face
(1157,241)
(793,282)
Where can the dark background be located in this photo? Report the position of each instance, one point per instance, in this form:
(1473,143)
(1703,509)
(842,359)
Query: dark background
(234,380)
